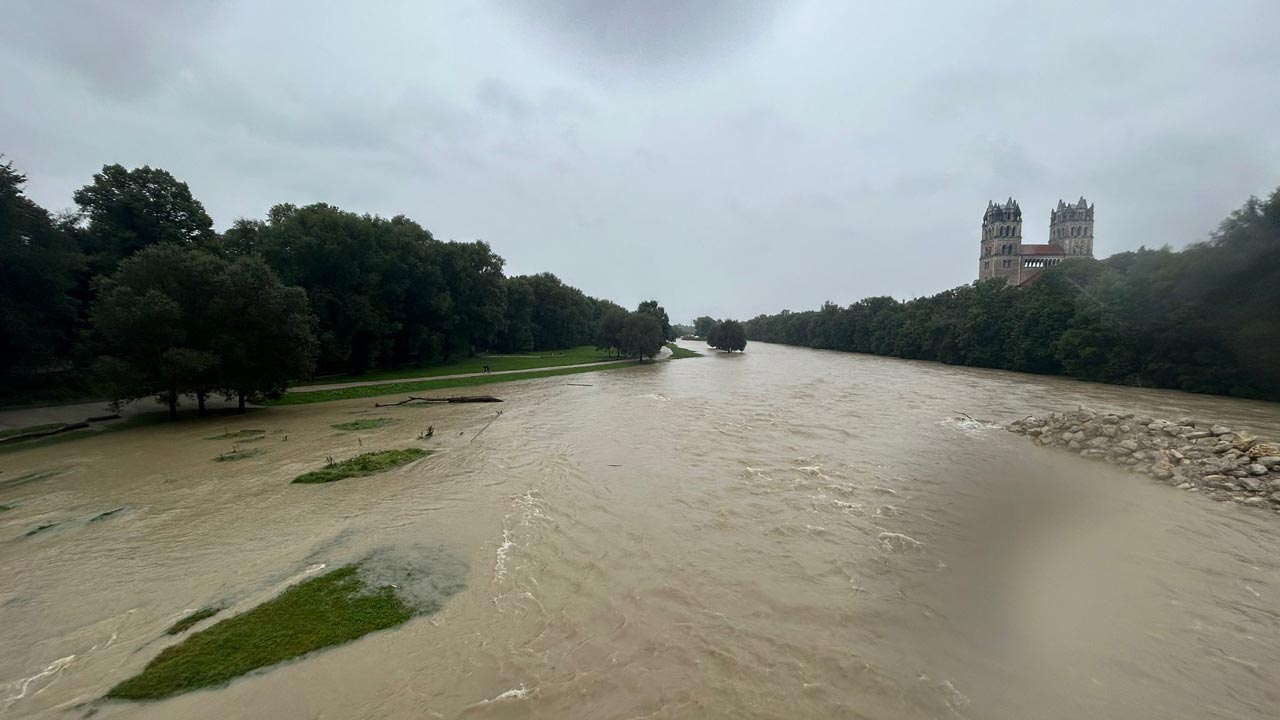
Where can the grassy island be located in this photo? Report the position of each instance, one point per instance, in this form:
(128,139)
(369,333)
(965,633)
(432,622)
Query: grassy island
(333,608)
(367,464)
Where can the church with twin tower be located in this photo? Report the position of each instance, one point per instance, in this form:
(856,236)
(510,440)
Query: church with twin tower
(1004,255)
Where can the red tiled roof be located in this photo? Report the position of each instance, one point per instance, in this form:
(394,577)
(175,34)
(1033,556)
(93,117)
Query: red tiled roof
(1042,250)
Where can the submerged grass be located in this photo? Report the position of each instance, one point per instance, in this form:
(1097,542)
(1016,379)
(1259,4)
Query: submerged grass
(361,465)
(39,529)
(29,429)
(241,435)
(104,515)
(366,424)
(680,353)
(328,610)
(185,623)
(365,391)
(239,455)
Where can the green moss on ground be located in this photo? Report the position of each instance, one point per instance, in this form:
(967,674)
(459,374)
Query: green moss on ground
(185,623)
(39,529)
(241,435)
(361,465)
(328,610)
(366,424)
(679,353)
(404,388)
(239,455)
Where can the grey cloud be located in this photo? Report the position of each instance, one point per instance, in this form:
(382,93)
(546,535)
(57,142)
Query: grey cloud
(123,49)
(729,158)
(639,36)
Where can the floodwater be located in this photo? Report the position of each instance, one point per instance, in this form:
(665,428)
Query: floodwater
(783,533)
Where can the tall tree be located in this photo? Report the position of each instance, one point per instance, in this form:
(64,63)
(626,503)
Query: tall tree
(608,333)
(728,335)
(39,266)
(265,333)
(153,322)
(651,307)
(702,326)
(128,210)
(642,335)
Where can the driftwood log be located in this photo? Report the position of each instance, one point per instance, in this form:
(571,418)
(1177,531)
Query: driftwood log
(458,399)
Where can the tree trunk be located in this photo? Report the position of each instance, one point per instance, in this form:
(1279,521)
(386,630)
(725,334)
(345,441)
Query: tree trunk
(200,402)
(173,405)
(241,410)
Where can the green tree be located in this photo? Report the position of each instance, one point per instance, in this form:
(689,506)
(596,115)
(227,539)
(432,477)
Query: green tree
(608,333)
(153,322)
(39,266)
(702,326)
(265,333)
(651,307)
(728,335)
(128,210)
(642,335)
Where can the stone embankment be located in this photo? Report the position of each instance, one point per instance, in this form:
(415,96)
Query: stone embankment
(1210,458)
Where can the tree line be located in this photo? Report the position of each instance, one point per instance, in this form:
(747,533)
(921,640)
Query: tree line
(134,294)
(1205,319)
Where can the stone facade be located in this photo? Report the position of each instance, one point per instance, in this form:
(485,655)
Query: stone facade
(1004,255)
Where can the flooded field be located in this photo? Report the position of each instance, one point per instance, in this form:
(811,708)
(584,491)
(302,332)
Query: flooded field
(784,533)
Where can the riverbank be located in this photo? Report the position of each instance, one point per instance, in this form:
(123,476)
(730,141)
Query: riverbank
(1222,462)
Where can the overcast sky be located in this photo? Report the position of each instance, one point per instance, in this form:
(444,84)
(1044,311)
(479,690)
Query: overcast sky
(726,157)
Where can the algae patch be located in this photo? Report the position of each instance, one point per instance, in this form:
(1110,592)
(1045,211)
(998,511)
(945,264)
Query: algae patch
(361,465)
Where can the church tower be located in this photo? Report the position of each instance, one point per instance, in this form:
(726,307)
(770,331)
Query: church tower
(1002,241)
(1071,228)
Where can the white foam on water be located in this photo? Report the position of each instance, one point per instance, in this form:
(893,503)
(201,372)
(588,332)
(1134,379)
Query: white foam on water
(17,690)
(892,540)
(516,693)
(526,511)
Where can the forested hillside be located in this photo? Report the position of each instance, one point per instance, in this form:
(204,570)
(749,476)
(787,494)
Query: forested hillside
(1204,319)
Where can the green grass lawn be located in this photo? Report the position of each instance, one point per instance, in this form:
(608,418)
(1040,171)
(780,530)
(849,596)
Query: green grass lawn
(679,353)
(364,391)
(361,465)
(334,608)
(522,361)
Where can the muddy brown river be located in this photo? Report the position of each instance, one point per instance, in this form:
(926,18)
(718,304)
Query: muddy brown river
(785,533)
